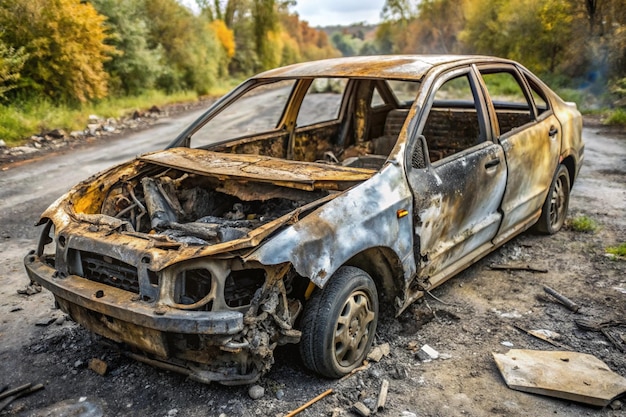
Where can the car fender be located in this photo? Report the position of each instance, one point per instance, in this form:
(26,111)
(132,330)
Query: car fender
(376,213)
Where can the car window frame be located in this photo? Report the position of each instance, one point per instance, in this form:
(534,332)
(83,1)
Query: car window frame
(521,80)
(484,121)
(529,78)
(184,138)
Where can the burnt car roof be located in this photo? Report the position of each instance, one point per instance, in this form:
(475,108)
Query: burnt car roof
(408,67)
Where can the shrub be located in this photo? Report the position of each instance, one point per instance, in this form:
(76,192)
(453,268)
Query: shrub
(583,224)
(65,43)
(617,251)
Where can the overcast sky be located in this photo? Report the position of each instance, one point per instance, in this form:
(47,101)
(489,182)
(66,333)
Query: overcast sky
(339,12)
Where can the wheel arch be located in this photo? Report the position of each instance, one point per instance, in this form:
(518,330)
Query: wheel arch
(570,164)
(385,268)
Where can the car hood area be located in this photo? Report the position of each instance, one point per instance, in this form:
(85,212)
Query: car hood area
(184,203)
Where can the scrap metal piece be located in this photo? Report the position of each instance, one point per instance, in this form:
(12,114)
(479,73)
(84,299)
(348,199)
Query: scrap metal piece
(517,267)
(160,211)
(569,375)
(562,299)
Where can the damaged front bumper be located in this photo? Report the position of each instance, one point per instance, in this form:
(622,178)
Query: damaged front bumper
(229,347)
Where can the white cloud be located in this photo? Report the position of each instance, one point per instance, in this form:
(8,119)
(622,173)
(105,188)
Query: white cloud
(336,12)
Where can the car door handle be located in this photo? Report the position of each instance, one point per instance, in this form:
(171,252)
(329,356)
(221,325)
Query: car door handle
(492,163)
(553,131)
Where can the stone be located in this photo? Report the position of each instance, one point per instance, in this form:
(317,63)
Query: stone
(361,409)
(400,372)
(280,394)
(98,366)
(57,133)
(3,144)
(375,373)
(377,352)
(22,150)
(256,391)
(427,353)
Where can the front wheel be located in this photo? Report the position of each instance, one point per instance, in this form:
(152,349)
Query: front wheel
(554,209)
(339,323)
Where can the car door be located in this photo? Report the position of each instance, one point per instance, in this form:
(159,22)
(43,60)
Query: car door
(530,136)
(458,191)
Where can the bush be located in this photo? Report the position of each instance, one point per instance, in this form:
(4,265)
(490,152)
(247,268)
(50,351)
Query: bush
(11,63)
(583,224)
(618,251)
(65,43)
(616,117)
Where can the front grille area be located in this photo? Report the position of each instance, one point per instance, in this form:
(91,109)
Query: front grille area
(108,271)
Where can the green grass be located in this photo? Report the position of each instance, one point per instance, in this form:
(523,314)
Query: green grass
(617,251)
(616,117)
(21,119)
(583,224)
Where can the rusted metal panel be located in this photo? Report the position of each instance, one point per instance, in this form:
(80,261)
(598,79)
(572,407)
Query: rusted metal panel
(408,67)
(363,217)
(302,175)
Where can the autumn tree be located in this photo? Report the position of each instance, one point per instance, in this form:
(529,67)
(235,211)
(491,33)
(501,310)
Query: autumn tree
(135,67)
(11,63)
(191,49)
(66,45)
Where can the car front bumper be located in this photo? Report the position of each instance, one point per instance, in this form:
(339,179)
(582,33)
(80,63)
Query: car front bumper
(159,331)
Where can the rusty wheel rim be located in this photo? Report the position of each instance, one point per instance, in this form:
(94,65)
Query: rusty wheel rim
(353,329)
(557,203)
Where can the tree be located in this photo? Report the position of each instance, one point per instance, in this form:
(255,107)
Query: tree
(66,45)
(11,63)
(192,53)
(136,67)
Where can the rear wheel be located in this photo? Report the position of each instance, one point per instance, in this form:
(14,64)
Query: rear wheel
(339,323)
(554,209)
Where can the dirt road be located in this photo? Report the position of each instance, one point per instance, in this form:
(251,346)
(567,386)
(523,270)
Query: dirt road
(481,306)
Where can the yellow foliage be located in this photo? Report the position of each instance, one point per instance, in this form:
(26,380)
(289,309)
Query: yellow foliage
(65,42)
(274,50)
(225,35)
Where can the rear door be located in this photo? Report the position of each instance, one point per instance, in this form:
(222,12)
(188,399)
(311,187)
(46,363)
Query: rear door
(530,135)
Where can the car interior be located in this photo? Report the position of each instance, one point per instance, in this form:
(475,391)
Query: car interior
(350,122)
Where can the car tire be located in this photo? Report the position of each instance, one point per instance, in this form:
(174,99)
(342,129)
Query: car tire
(339,323)
(554,210)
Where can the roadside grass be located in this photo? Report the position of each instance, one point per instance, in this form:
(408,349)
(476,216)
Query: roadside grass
(618,252)
(21,119)
(616,117)
(583,224)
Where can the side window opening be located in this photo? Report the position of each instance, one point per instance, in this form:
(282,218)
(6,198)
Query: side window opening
(377,100)
(386,121)
(322,101)
(452,124)
(541,103)
(509,101)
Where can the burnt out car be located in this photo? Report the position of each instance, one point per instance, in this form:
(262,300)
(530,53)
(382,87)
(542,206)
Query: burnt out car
(301,201)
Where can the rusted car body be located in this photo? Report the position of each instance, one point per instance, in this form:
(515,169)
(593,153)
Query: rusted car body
(299,200)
